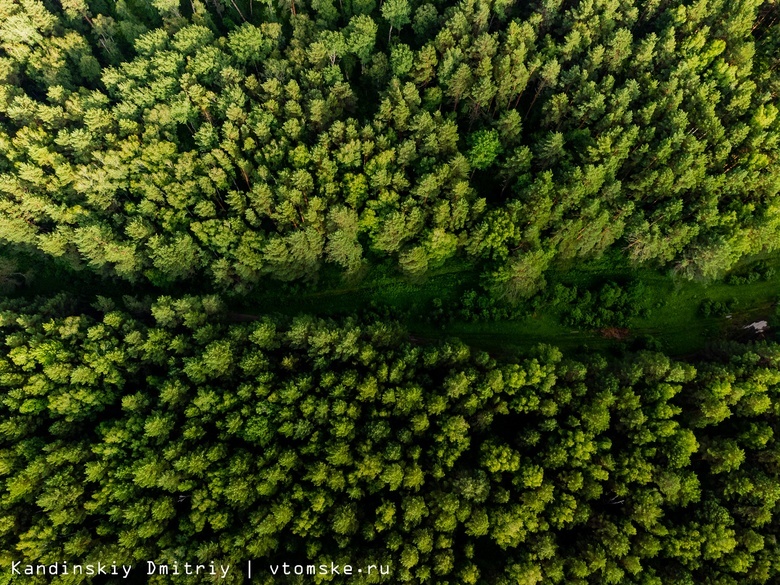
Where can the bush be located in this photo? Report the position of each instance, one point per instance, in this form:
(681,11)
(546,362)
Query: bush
(611,305)
(711,308)
(760,271)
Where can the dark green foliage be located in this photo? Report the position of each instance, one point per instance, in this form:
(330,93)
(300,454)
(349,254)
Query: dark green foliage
(473,306)
(713,308)
(755,273)
(610,305)
(11,276)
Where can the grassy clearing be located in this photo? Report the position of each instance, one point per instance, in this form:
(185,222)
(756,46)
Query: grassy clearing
(680,327)
(675,322)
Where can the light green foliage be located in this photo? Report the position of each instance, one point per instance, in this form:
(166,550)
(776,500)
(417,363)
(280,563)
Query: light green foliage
(361,36)
(521,277)
(239,127)
(396,12)
(485,148)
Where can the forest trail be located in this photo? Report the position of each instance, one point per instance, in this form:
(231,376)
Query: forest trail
(675,323)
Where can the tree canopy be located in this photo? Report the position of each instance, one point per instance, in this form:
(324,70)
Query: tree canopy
(162,431)
(181,157)
(236,141)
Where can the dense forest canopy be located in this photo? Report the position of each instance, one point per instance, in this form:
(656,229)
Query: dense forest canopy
(238,139)
(186,159)
(168,432)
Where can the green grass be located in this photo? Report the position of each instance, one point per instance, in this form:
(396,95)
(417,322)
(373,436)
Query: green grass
(679,325)
(508,337)
(675,322)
